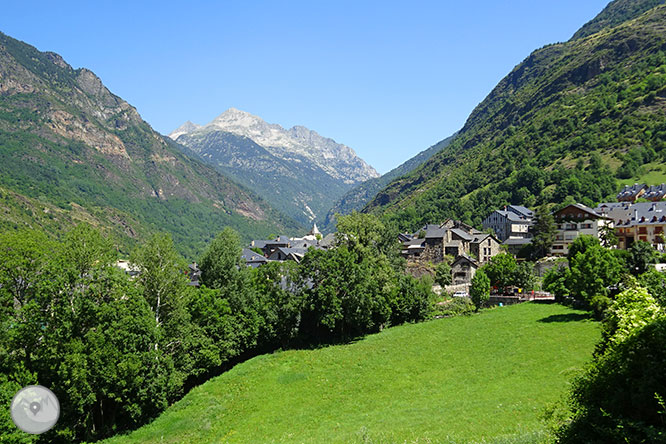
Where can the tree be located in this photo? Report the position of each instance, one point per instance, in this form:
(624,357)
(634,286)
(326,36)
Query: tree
(223,269)
(641,256)
(480,289)
(593,271)
(413,301)
(221,262)
(607,236)
(501,270)
(443,273)
(523,277)
(581,244)
(165,288)
(655,282)
(544,231)
(280,303)
(556,281)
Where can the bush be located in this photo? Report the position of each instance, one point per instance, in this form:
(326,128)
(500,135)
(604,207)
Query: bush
(621,398)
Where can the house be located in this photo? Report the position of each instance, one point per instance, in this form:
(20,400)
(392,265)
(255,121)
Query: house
(269,246)
(463,270)
(252,258)
(632,192)
(645,221)
(575,220)
(288,254)
(327,242)
(513,245)
(194,273)
(514,221)
(484,246)
(452,238)
(655,193)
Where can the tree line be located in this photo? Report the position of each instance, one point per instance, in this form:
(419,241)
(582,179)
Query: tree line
(117,350)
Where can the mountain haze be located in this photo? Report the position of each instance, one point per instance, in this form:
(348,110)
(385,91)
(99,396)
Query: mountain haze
(71,148)
(299,171)
(566,125)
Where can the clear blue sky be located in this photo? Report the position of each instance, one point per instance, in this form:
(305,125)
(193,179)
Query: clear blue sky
(387,78)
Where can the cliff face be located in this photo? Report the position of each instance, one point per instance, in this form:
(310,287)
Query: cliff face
(66,140)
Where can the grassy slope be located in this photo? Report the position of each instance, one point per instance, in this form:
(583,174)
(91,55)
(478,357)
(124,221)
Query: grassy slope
(458,379)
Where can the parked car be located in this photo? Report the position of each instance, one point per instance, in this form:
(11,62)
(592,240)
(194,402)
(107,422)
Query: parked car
(460,294)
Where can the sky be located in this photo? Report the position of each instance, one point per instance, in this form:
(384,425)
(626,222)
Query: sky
(389,79)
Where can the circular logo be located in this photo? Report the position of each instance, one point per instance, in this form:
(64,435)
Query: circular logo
(35,409)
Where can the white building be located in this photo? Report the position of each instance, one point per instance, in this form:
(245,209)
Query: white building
(575,220)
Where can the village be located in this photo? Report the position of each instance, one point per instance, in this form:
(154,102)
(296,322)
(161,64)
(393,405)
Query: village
(638,214)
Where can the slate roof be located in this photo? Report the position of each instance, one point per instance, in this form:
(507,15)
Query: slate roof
(327,241)
(589,211)
(295,253)
(656,192)
(436,233)
(250,256)
(521,210)
(518,241)
(303,243)
(461,234)
(631,191)
(464,257)
(640,213)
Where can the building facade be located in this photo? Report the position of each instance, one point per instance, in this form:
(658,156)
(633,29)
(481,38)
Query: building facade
(514,221)
(644,221)
(576,220)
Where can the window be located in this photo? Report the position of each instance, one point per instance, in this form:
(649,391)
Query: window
(558,247)
(572,226)
(586,226)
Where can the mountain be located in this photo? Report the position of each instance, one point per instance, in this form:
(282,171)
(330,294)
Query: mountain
(570,123)
(300,172)
(356,198)
(617,12)
(71,151)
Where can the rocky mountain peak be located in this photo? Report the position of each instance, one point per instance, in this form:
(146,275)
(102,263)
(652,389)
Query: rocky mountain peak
(337,160)
(185,128)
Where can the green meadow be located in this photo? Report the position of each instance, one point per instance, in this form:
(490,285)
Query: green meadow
(480,378)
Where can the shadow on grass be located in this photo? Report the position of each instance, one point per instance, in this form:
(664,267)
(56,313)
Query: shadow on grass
(569,317)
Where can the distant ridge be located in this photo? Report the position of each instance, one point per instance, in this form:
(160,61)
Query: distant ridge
(299,171)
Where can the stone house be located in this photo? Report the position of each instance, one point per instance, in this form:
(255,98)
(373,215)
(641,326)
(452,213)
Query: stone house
(463,270)
(514,221)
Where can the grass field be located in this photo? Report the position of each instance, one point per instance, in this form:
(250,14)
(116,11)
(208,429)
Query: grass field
(480,378)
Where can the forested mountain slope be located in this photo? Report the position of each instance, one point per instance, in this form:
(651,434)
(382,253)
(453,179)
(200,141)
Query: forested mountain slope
(72,150)
(563,126)
(356,198)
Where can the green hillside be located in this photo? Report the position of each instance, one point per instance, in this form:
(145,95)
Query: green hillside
(483,377)
(565,125)
(66,141)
